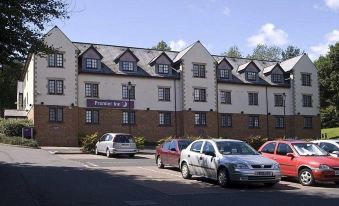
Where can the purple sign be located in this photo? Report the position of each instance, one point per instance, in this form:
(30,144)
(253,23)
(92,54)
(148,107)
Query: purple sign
(109,103)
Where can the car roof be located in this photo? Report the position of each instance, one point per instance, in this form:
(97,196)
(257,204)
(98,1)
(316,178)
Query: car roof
(289,141)
(326,140)
(114,134)
(222,140)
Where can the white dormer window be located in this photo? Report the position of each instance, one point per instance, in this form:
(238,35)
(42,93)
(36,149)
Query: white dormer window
(277,78)
(251,76)
(91,63)
(163,68)
(224,73)
(127,66)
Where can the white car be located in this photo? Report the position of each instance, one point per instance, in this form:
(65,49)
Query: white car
(228,161)
(330,145)
(116,143)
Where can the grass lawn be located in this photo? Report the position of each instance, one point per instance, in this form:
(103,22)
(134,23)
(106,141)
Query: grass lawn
(331,132)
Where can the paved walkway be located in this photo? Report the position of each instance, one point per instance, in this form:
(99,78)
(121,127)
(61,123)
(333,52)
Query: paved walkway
(77,150)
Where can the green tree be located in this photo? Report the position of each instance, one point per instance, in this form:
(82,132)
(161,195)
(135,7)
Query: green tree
(265,52)
(290,52)
(22,24)
(233,51)
(162,45)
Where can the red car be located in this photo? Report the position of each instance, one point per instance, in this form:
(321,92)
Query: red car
(169,152)
(304,160)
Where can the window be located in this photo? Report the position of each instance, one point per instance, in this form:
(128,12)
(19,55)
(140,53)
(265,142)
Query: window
(127,66)
(55,114)
(199,95)
(252,98)
(173,145)
(208,148)
(224,73)
(199,70)
(91,90)
(92,116)
(279,122)
(164,94)
(125,92)
(307,100)
(165,118)
(328,147)
(269,148)
(225,97)
(306,79)
(55,60)
(307,122)
(200,119)
(278,100)
(55,87)
(253,121)
(91,63)
(226,120)
(166,145)
(283,149)
(130,120)
(196,147)
(163,68)
(251,76)
(277,78)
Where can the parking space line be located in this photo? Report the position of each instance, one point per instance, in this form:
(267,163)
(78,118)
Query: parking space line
(85,165)
(159,172)
(93,165)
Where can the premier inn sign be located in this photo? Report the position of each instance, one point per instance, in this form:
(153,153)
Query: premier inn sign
(109,103)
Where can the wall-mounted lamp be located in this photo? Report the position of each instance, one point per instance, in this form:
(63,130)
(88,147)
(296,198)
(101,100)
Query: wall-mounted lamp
(147,108)
(298,113)
(269,113)
(189,109)
(42,103)
(211,110)
(242,112)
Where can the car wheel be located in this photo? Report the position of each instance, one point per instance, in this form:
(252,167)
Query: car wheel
(270,184)
(131,155)
(159,163)
(108,154)
(96,151)
(306,177)
(337,182)
(185,172)
(223,178)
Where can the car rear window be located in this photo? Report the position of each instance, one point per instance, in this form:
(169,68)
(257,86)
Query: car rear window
(123,139)
(183,144)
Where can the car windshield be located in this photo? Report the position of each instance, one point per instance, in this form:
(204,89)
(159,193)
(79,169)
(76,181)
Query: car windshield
(235,148)
(183,144)
(309,149)
(123,139)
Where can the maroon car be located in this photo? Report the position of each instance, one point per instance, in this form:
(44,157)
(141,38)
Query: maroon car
(169,152)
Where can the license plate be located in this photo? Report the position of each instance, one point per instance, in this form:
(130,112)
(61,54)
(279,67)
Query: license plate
(263,173)
(337,172)
(125,145)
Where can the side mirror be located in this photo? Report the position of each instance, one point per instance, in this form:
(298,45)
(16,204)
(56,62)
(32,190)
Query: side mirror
(209,153)
(291,155)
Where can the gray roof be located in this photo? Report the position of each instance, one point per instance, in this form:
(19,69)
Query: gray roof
(146,56)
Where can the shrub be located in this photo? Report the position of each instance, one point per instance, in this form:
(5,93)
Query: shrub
(88,142)
(140,142)
(13,127)
(329,117)
(161,141)
(18,141)
(256,141)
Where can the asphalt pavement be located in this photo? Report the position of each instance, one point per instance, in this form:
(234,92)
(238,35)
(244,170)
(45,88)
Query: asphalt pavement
(37,177)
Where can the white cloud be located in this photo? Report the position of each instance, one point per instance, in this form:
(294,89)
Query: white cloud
(178,45)
(332,4)
(323,48)
(226,11)
(268,34)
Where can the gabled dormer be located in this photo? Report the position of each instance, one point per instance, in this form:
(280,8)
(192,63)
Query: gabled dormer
(127,61)
(224,69)
(250,70)
(275,73)
(90,59)
(162,64)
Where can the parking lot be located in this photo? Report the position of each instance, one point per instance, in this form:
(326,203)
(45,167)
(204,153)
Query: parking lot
(142,170)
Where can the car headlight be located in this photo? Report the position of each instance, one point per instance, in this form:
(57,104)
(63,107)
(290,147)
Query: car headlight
(240,166)
(324,167)
(276,166)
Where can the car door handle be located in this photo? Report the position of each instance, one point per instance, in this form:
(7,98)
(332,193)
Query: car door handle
(200,158)
(188,155)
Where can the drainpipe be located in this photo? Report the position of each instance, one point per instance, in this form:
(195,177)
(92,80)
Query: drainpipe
(218,128)
(267,127)
(175,109)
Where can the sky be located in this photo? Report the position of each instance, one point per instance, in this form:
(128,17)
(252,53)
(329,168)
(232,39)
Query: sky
(219,24)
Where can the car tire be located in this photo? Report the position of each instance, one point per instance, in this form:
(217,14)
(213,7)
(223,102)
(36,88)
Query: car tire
(306,177)
(223,178)
(270,184)
(336,182)
(185,171)
(131,155)
(96,151)
(108,154)
(159,163)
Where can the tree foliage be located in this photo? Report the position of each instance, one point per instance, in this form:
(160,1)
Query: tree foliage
(233,52)
(265,52)
(22,24)
(290,52)
(328,72)
(162,45)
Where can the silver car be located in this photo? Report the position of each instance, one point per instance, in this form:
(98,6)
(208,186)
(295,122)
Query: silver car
(227,161)
(116,143)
